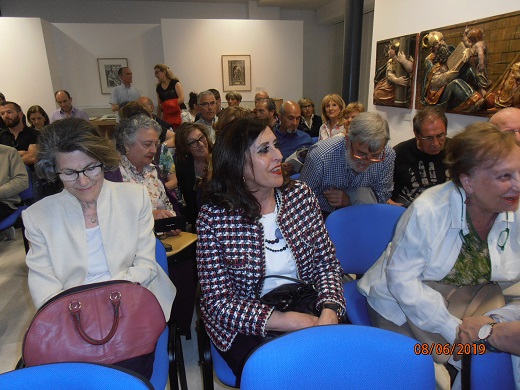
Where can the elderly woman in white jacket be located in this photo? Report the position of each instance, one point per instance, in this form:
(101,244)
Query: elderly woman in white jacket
(456,249)
(94,230)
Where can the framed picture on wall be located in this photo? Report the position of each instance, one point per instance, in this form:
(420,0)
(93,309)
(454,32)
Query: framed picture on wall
(395,68)
(471,68)
(236,73)
(108,76)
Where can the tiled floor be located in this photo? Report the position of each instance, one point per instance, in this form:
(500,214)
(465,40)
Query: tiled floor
(16,311)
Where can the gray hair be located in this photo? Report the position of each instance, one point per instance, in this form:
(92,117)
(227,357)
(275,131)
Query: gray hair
(371,129)
(428,113)
(70,135)
(204,93)
(126,132)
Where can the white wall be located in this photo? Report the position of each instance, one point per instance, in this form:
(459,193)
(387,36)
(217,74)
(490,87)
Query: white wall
(78,46)
(393,19)
(25,77)
(276,49)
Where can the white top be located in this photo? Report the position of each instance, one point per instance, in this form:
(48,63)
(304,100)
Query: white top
(276,263)
(425,247)
(97,270)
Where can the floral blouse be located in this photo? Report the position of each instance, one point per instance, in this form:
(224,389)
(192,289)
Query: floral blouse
(150,179)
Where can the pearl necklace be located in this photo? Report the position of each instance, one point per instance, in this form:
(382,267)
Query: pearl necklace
(278,234)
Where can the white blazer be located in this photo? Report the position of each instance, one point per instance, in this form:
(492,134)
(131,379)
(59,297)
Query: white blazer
(57,258)
(425,247)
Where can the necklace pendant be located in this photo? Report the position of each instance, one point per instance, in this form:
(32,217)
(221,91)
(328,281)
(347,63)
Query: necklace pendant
(93,219)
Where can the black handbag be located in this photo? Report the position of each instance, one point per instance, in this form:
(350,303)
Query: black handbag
(297,296)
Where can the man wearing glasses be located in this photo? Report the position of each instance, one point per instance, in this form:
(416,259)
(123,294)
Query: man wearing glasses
(207,105)
(508,119)
(353,169)
(419,162)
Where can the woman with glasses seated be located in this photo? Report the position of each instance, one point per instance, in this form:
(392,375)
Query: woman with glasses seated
(455,250)
(94,230)
(193,161)
(137,140)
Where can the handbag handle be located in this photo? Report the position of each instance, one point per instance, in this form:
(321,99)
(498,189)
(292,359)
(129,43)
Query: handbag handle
(75,311)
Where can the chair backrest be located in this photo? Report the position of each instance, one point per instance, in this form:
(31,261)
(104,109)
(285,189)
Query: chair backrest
(161,364)
(488,371)
(28,192)
(78,376)
(361,233)
(338,357)
(160,255)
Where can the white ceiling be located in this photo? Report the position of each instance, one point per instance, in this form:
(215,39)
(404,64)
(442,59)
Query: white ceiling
(287,4)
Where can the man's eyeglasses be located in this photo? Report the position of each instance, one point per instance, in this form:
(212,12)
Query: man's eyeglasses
(90,172)
(208,104)
(364,156)
(195,143)
(439,137)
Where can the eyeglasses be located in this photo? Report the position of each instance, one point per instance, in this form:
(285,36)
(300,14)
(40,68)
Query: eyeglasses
(208,104)
(513,130)
(90,172)
(503,237)
(364,156)
(439,137)
(195,143)
(306,107)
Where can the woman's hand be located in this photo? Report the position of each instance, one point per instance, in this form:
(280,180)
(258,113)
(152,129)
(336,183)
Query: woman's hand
(289,321)
(327,317)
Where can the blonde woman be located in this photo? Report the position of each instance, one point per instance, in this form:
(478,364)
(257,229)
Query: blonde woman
(170,95)
(331,107)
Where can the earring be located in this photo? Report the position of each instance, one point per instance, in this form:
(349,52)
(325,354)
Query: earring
(126,150)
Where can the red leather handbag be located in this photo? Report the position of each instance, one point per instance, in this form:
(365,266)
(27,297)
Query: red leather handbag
(105,322)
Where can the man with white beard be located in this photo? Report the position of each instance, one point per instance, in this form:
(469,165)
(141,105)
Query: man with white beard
(353,169)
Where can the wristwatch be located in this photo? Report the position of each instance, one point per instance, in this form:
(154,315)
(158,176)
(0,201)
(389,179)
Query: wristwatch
(484,333)
(334,306)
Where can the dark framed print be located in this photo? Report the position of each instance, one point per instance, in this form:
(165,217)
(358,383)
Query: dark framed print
(236,72)
(108,77)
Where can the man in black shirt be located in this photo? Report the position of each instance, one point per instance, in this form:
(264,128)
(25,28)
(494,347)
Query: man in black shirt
(17,135)
(419,162)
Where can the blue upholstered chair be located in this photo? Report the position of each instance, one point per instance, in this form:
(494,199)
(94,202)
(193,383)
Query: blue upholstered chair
(169,359)
(338,357)
(210,359)
(488,371)
(360,234)
(26,198)
(72,375)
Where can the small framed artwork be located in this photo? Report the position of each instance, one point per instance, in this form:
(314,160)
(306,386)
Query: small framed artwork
(108,77)
(236,73)
(395,68)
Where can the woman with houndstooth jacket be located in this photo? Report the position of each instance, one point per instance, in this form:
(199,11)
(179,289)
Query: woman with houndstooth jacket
(257,222)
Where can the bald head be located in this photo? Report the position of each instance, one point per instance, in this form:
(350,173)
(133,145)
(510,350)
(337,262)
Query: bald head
(260,95)
(508,119)
(147,103)
(290,114)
